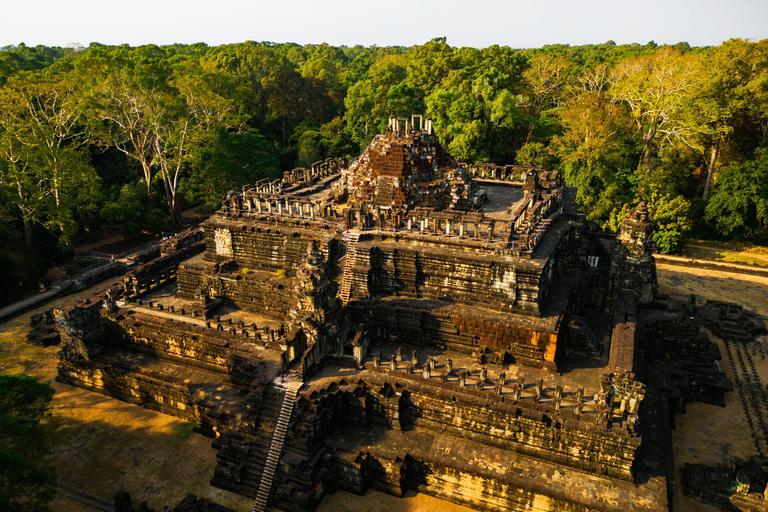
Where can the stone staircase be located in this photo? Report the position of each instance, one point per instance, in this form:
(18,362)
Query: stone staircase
(247,453)
(275,448)
(542,226)
(350,238)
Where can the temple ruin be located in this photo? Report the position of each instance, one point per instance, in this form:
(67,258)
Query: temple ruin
(407,322)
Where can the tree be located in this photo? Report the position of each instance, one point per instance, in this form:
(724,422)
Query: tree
(47,164)
(596,150)
(656,89)
(477,106)
(738,205)
(385,92)
(671,214)
(25,481)
(127,90)
(223,161)
(730,88)
(546,79)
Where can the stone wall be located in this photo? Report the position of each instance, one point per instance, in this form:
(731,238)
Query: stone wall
(202,348)
(261,247)
(539,431)
(523,340)
(160,394)
(259,292)
(84,332)
(442,479)
(430,271)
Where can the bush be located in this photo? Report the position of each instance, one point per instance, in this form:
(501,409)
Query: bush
(673,222)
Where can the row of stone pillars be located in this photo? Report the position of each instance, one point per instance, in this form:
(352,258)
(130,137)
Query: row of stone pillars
(429,366)
(452,227)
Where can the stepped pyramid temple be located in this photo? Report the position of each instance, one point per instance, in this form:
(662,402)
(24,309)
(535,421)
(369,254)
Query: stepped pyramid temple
(406,322)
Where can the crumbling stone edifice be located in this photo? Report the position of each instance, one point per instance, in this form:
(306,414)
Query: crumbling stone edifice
(401,322)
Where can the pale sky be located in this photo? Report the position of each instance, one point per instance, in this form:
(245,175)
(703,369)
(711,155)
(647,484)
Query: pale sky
(479,23)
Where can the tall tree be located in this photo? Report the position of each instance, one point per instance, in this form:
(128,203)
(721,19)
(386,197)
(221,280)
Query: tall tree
(41,125)
(656,89)
(127,89)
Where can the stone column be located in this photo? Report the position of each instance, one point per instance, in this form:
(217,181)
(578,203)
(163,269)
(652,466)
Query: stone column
(579,400)
(633,405)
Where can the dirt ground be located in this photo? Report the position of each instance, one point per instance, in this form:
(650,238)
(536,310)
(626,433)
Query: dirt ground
(102,445)
(708,434)
(342,501)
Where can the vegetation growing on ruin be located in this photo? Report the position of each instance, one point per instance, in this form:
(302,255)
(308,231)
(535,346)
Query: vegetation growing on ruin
(125,138)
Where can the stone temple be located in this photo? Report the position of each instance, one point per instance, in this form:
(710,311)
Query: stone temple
(406,322)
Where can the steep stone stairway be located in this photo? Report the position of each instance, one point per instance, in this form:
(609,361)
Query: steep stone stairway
(275,448)
(350,238)
(249,449)
(542,226)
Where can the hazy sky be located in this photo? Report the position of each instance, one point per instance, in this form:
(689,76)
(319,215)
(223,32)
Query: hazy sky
(516,23)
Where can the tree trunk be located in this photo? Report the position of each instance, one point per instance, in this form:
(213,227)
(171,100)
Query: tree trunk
(147,176)
(711,168)
(28,234)
(648,155)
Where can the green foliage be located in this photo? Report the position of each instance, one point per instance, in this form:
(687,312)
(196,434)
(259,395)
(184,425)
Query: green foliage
(132,210)
(25,482)
(536,154)
(185,430)
(221,161)
(82,129)
(671,214)
(738,206)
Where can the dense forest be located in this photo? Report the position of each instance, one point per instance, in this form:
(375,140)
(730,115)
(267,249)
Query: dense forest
(125,138)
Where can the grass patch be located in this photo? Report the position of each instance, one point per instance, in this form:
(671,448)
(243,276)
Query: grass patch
(184,430)
(755,255)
